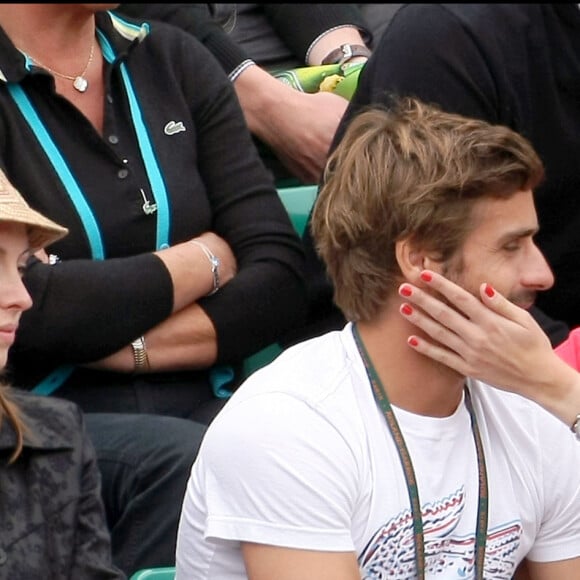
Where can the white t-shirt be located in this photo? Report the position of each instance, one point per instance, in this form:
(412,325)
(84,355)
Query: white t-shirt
(301,457)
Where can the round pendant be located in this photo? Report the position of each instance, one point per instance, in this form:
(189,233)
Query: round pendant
(80,84)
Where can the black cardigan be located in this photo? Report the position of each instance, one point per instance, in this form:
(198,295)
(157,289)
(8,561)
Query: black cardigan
(85,309)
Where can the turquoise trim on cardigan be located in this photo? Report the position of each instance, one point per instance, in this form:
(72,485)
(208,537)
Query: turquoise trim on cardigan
(54,156)
(156,180)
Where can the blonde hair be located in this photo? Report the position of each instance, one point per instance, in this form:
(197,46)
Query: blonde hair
(9,411)
(409,171)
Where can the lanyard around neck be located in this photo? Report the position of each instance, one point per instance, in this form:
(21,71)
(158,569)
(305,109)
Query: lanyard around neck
(67,178)
(411,481)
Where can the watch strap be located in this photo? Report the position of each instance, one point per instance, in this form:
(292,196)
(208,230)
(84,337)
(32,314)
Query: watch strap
(345,53)
(140,354)
(576,427)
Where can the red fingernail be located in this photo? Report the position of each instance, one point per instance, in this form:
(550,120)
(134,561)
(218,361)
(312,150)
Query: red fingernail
(406,291)
(406,309)
(413,341)
(426,276)
(489,291)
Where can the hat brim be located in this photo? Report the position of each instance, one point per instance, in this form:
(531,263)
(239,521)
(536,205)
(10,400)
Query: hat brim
(41,231)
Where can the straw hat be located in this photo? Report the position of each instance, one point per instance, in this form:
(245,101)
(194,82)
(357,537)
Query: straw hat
(13,208)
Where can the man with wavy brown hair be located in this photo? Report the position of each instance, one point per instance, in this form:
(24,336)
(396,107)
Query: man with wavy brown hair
(515,64)
(361,457)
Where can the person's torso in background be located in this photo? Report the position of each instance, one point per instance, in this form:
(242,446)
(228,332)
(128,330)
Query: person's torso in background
(249,27)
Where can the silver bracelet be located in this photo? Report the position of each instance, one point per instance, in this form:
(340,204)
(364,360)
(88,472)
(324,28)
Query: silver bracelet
(215,265)
(140,354)
(576,427)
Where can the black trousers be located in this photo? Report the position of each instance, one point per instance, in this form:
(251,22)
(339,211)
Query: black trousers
(145,462)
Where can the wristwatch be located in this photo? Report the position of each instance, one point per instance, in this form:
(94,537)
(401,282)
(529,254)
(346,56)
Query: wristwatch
(345,53)
(140,354)
(576,427)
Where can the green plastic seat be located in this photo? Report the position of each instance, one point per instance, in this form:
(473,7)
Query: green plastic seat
(154,574)
(298,202)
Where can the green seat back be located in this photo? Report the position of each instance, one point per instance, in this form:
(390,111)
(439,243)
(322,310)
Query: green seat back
(154,574)
(298,202)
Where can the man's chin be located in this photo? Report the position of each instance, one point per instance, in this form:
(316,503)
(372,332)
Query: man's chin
(524,302)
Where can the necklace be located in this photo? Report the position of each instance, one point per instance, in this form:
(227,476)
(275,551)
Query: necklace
(80,83)
(407,465)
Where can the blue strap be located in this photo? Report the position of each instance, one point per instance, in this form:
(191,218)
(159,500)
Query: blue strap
(57,377)
(151,165)
(219,377)
(147,154)
(74,191)
(54,380)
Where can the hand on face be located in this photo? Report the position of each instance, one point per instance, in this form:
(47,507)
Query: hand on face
(490,339)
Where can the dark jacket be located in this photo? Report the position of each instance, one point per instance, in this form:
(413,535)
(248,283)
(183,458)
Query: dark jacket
(51,516)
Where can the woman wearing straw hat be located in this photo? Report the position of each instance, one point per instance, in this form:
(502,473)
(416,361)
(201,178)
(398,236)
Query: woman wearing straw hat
(52,520)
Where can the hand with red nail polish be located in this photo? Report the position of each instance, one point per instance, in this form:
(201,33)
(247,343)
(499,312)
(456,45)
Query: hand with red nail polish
(497,342)
(494,340)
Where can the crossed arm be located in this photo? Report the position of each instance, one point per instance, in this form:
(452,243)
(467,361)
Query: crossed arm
(187,339)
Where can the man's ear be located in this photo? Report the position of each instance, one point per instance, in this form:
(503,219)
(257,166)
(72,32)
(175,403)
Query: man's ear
(412,260)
